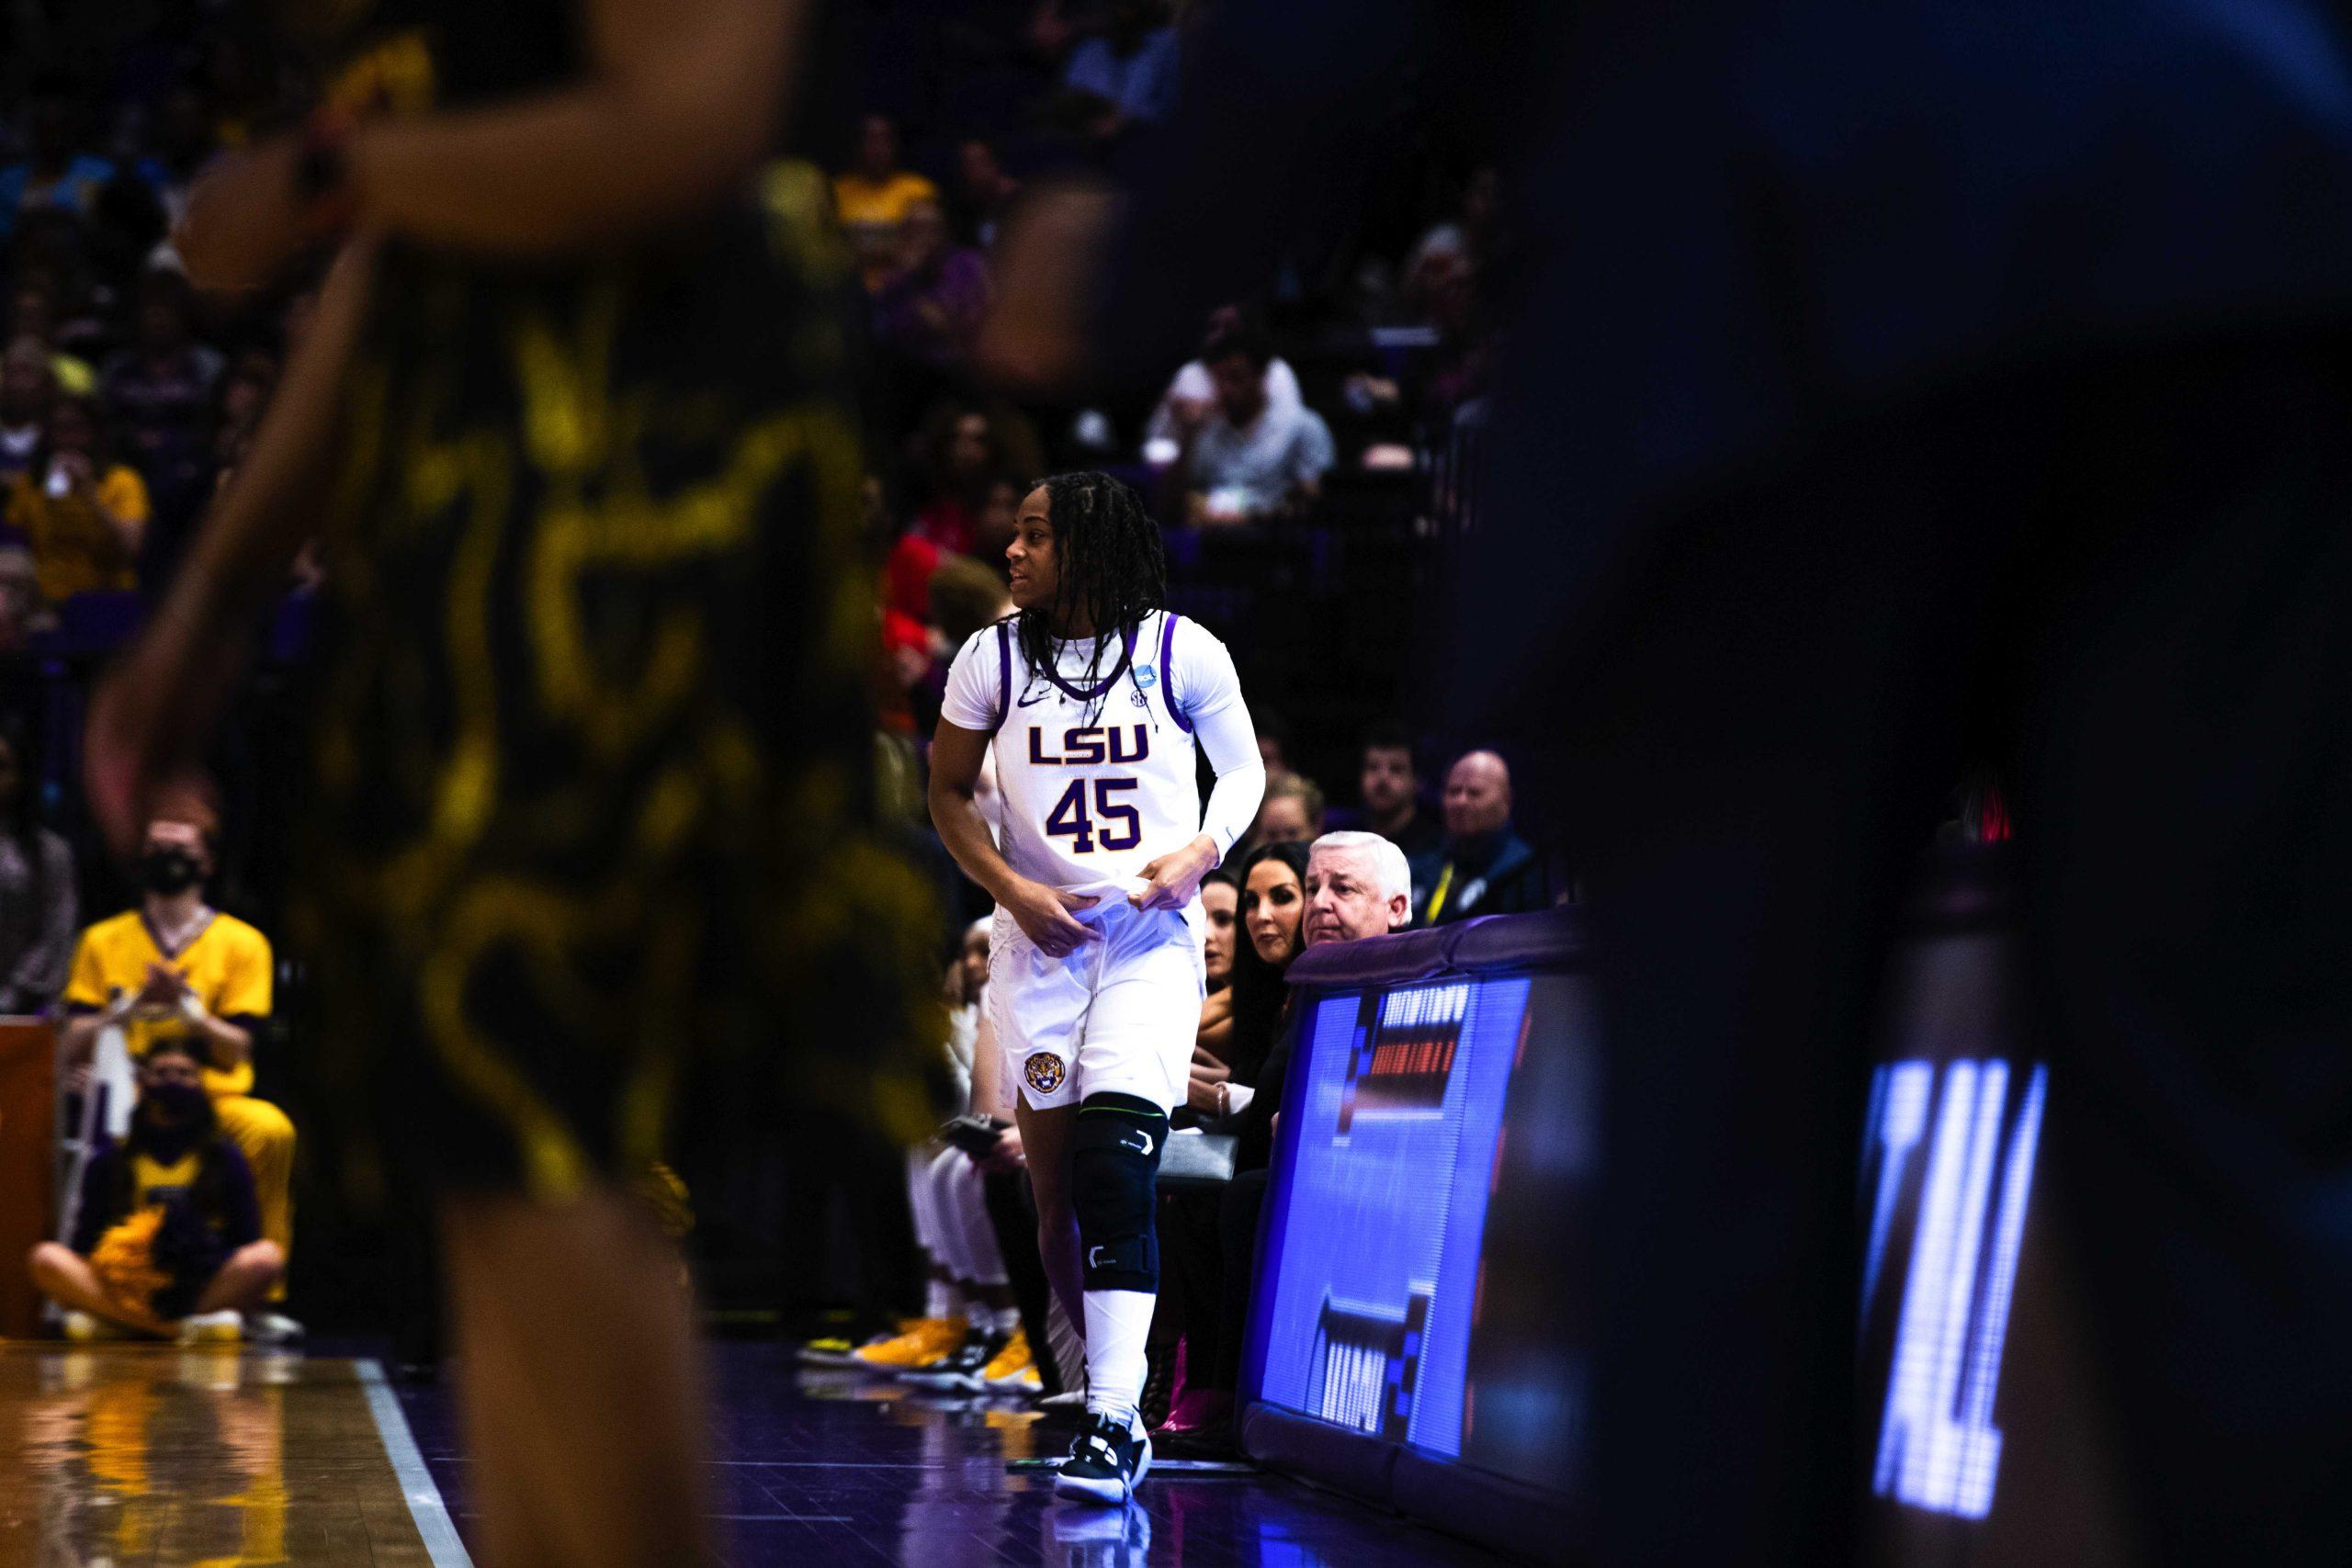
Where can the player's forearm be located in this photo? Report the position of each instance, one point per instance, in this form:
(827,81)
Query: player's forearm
(682,107)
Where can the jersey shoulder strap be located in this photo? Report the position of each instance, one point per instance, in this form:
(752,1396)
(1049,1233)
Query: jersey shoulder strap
(1167,619)
(1003,675)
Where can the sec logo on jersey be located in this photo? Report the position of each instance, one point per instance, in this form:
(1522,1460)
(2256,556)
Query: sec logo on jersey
(1043,1071)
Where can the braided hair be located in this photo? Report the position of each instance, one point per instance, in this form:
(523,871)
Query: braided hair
(1110,569)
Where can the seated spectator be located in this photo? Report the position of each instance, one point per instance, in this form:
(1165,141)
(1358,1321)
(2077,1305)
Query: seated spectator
(1481,867)
(174,968)
(1356,886)
(24,614)
(1457,243)
(160,390)
(1391,788)
(1191,396)
(83,515)
(1291,812)
(167,1240)
(1220,909)
(929,303)
(1268,911)
(874,195)
(27,387)
(963,596)
(37,890)
(32,314)
(53,173)
(1123,77)
(984,194)
(1245,461)
(962,458)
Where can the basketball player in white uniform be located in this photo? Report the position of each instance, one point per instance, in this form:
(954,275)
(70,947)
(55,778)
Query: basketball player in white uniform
(1097,700)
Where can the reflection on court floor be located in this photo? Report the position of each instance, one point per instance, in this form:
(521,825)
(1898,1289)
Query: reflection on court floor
(203,1458)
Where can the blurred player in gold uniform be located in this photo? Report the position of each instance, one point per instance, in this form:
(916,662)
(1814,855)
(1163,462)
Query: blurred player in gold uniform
(590,852)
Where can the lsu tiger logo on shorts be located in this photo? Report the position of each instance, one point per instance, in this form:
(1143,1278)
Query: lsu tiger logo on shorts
(1043,1071)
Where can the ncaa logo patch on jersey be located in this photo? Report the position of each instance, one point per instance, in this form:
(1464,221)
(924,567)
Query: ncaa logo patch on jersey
(1043,1071)
(1146,677)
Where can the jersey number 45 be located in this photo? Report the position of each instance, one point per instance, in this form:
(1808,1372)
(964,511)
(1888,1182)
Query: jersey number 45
(1068,818)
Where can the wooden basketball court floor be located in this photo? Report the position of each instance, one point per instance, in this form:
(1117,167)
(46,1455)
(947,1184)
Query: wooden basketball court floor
(135,1456)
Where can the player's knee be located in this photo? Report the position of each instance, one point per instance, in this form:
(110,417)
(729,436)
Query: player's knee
(1114,1168)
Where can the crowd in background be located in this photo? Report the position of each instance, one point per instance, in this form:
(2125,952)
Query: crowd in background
(127,399)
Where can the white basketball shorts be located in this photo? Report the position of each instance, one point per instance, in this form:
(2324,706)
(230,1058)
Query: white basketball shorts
(1118,1016)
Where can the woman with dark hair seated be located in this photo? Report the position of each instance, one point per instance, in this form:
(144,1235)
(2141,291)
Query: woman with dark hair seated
(168,1237)
(1274,898)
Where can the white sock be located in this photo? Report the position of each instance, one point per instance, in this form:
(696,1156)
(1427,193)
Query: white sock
(1117,1322)
(939,1300)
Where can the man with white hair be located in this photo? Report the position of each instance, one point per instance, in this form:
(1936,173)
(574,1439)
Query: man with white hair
(1357,885)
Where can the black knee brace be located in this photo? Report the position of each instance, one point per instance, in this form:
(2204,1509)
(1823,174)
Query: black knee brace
(1113,1170)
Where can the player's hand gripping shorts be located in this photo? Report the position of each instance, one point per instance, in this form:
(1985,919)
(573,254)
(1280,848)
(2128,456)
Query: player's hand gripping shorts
(1118,1016)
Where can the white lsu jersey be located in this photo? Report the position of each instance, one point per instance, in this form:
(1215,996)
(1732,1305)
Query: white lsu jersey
(1096,780)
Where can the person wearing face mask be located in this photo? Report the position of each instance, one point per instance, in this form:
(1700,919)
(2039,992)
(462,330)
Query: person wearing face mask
(167,1240)
(176,968)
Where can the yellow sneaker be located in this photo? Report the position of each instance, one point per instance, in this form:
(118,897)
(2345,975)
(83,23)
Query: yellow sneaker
(1014,1369)
(928,1340)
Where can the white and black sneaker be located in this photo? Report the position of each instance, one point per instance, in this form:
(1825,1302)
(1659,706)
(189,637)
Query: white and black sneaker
(1108,1462)
(963,1367)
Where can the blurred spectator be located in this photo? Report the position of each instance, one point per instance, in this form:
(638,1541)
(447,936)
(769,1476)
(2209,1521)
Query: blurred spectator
(24,612)
(167,1239)
(1273,743)
(183,143)
(1391,788)
(1482,867)
(1191,396)
(83,515)
(966,459)
(176,968)
(244,390)
(160,390)
(1123,77)
(37,887)
(964,597)
(1245,461)
(54,173)
(27,385)
(1458,243)
(874,195)
(32,314)
(929,303)
(1292,812)
(984,193)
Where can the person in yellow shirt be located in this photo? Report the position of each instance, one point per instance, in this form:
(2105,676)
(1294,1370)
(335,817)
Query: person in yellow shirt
(83,516)
(874,196)
(176,968)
